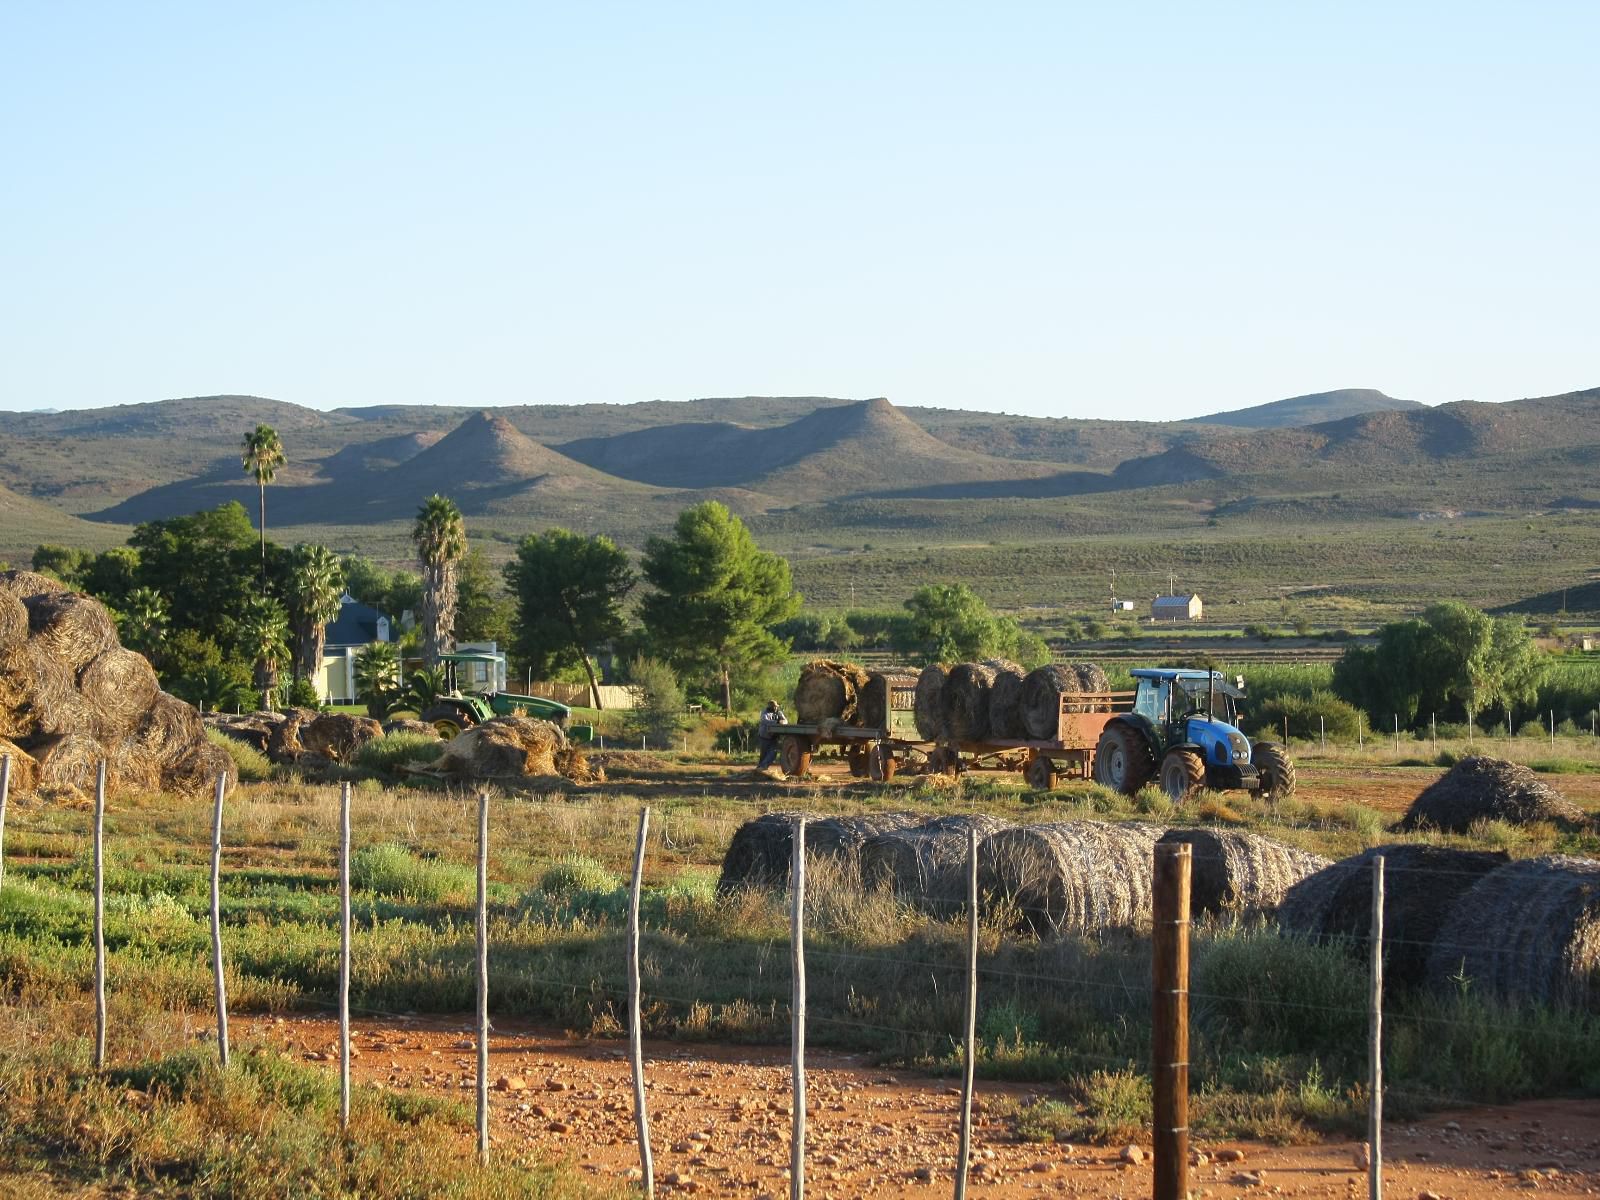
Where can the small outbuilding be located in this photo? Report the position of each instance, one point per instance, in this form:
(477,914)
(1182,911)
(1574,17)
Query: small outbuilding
(1177,608)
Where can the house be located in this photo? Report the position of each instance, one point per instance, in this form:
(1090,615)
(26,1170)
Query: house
(357,625)
(1177,608)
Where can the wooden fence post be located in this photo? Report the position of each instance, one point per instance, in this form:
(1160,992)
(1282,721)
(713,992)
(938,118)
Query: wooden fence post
(797,942)
(221,985)
(5,795)
(970,1042)
(1375,1044)
(483,978)
(99,918)
(641,1117)
(344,957)
(1170,1032)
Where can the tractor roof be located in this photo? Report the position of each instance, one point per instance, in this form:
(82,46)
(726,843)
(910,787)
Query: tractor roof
(1173,673)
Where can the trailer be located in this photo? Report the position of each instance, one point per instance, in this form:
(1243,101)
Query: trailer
(1070,754)
(872,753)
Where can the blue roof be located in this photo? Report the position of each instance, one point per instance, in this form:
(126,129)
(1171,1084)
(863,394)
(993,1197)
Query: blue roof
(357,625)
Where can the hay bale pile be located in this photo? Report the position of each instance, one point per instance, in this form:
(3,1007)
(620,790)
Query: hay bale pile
(762,849)
(874,705)
(1044,687)
(1236,872)
(338,736)
(926,864)
(829,691)
(1526,930)
(502,748)
(1423,886)
(71,697)
(1005,702)
(1071,875)
(1480,788)
(929,703)
(964,702)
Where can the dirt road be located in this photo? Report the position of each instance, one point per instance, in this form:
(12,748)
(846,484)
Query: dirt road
(720,1125)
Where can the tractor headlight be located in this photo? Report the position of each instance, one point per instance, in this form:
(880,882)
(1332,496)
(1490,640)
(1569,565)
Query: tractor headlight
(1241,747)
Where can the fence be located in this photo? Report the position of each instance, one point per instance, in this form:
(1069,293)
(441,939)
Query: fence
(612,697)
(1169,997)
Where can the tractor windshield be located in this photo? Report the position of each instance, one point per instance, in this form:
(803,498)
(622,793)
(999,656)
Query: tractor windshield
(1209,698)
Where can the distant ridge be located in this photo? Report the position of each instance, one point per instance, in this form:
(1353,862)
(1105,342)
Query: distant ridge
(1313,409)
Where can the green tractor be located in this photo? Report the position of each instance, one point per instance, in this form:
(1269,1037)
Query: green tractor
(1183,732)
(457,710)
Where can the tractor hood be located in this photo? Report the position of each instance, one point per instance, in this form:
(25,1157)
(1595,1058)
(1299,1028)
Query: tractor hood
(1223,744)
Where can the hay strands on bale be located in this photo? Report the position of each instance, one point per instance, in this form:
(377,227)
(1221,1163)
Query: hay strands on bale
(928,705)
(1238,872)
(926,864)
(1527,930)
(761,852)
(1488,789)
(964,702)
(1422,887)
(74,630)
(829,690)
(1044,691)
(1072,875)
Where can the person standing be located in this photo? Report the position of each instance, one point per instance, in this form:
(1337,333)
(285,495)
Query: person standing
(771,717)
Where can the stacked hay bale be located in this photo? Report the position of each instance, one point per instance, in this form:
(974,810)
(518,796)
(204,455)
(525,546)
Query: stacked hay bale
(72,697)
(1526,930)
(876,698)
(926,864)
(1423,886)
(928,706)
(964,702)
(1237,872)
(1488,789)
(503,748)
(1005,702)
(829,691)
(338,736)
(1044,688)
(762,849)
(1072,875)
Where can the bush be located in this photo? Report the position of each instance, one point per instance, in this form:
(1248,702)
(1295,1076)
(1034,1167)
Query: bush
(390,754)
(249,764)
(1305,715)
(392,870)
(577,873)
(302,693)
(660,712)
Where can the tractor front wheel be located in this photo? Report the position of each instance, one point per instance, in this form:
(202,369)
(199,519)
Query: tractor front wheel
(1276,768)
(794,755)
(1122,760)
(1182,775)
(447,719)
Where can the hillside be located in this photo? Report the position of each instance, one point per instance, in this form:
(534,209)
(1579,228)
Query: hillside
(1314,409)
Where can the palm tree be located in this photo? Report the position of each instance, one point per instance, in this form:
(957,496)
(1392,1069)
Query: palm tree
(377,678)
(441,539)
(143,620)
(261,456)
(264,639)
(316,584)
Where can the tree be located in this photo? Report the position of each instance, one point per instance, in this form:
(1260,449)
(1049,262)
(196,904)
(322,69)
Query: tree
(569,591)
(142,621)
(316,584)
(264,640)
(441,539)
(261,455)
(659,712)
(203,565)
(214,688)
(484,613)
(951,623)
(378,677)
(716,598)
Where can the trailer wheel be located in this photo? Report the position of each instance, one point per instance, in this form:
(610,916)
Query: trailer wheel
(856,756)
(1182,775)
(1276,769)
(794,754)
(1122,760)
(942,760)
(1040,774)
(881,764)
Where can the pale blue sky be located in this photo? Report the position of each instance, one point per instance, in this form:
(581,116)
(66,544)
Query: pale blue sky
(1137,210)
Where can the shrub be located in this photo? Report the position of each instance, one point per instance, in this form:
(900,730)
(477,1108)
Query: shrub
(390,754)
(1306,715)
(392,870)
(302,693)
(249,764)
(576,874)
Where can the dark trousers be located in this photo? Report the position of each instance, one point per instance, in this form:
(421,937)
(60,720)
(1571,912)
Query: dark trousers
(769,753)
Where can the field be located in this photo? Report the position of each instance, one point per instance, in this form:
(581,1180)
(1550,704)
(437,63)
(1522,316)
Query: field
(1279,1026)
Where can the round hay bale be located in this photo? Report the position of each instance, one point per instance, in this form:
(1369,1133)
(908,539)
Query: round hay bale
(877,697)
(118,686)
(24,585)
(828,690)
(926,864)
(1044,687)
(168,730)
(502,747)
(420,728)
(964,702)
(252,730)
(13,622)
(52,703)
(1480,788)
(195,773)
(762,849)
(72,629)
(1071,875)
(1237,872)
(130,769)
(24,767)
(338,736)
(928,705)
(1422,886)
(1005,703)
(284,745)
(68,765)
(1528,930)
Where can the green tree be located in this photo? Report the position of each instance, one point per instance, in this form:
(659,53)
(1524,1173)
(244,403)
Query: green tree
(951,623)
(717,596)
(112,575)
(569,591)
(142,621)
(316,584)
(261,455)
(484,612)
(378,678)
(661,702)
(214,688)
(440,536)
(203,565)
(264,641)
(424,688)
(63,562)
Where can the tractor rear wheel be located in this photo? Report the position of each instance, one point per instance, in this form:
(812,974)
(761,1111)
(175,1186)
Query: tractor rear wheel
(448,719)
(881,764)
(1040,774)
(1276,768)
(1182,775)
(794,754)
(1122,760)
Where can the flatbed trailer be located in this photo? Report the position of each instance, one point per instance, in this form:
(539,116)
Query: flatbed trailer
(873,753)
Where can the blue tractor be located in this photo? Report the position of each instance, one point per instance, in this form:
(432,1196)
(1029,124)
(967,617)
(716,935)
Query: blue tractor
(1183,731)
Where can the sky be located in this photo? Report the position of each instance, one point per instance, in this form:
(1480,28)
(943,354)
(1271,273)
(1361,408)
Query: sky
(1087,210)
